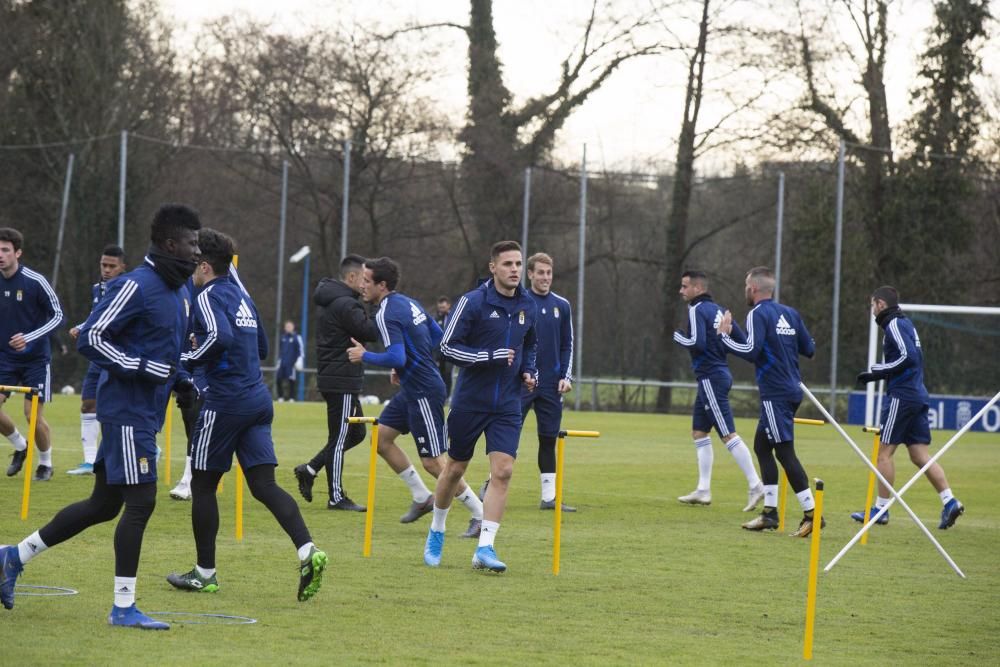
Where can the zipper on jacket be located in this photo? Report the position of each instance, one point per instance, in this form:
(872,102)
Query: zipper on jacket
(496,390)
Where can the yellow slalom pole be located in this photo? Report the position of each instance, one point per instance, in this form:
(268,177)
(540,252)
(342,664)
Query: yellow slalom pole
(560,456)
(782,498)
(32,425)
(869,497)
(372,460)
(168,427)
(807,650)
(810,422)
(239,502)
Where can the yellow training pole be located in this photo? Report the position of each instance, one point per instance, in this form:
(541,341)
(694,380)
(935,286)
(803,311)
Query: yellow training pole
(557,527)
(239,502)
(372,460)
(871,476)
(782,498)
(810,422)
(168,426)
(32,425)
(807,650)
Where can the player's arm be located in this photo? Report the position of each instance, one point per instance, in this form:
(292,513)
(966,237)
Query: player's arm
(48,302)
(747,345)
(436,333)
(122,304)
(390,330)
(529,352)
(263,345)
(210,317)
(697,328)
(300,360)
(807,346)
(454,343)
(906,344)
(566,350)
(352,316)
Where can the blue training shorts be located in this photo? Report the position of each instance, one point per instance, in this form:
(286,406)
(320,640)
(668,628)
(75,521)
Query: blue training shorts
(905,423)
(218,435)
(28,375)
(548,404)
(711,406)
(503,431)
(128,454)
(423,417)
(777,418)
(90,380)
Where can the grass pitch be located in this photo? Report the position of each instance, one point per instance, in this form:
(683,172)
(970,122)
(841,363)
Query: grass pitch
(644,580)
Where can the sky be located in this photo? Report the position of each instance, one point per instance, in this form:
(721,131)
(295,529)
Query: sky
(630,123)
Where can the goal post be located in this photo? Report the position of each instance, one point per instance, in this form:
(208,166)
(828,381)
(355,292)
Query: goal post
(873,343)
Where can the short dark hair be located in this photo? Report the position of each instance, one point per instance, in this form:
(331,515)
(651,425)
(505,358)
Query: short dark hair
(696,276)
(12,236)
(217,249)
(887,293)
(763,277)
(350,263)
(384,270)
(502,247)
(443,298)
(170,219)
(112,250)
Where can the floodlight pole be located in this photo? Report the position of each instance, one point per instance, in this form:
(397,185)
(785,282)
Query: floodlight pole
(122,171)
(578,336)
(306,254)
(62,220)
(281,265)
(524,219)
(778,235)
(838,243)
(345,210)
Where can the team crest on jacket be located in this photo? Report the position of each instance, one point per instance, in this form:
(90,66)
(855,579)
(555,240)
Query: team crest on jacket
(20,295)
(555,312)
(520,317)
(144,466)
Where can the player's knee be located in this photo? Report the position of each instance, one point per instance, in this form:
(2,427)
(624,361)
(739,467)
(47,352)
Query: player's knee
(432,465)
(501,472)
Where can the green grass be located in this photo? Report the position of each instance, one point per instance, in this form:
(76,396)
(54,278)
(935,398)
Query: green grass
(644,579)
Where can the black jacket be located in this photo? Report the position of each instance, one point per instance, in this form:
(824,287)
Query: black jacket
(341,317)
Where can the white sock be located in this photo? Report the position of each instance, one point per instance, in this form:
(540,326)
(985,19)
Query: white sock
(124,591)
(548,486)
(881,502)
(741,453)
(703,447)
(204,572)
(472,501)
(418,489)
(30,547)
(16,439)
(311,471)
(770,495)
(304,550)
(90,433)
(806,499)
(186,477)
(488,533)
(438,518)
(45,458)
(946,496)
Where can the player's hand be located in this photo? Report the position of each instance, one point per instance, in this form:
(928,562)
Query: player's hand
(529,381)
(187,393)
(866,377)
(18,343)
(156,372)
(74,333)
(194,341)
(565,386)
(300,364)
(393,377)
(355,353)
(726,324)
(510,357)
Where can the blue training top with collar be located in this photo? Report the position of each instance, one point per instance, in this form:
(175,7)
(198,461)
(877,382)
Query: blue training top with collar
(902,360)
(482,327)
(28,306)
(773,341)
(708,352)
(410,337)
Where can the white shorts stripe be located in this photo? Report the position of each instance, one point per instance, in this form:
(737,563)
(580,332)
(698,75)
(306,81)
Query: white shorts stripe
(720,421)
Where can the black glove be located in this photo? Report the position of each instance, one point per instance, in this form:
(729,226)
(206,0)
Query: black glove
(868,376)
(156,372)
(187,393)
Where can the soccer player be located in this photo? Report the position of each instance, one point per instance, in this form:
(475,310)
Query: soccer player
(904,418)
(773,341)
(236,418)
(291,358)
(112,265)
(711,405)
(29,313)
(135,334)
(491,338)
(409,337)
(443,309)
(342,318)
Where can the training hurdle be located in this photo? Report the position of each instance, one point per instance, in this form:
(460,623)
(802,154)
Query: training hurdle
(560,455)
(372,460)
(895,495)
(898,496)
(32,425)
(783,479)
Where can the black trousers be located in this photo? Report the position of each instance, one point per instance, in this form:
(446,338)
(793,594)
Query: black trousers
(340,438)
(286,388)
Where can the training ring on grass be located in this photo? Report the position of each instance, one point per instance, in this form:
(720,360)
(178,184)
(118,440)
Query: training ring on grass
(192,618)
(43,591)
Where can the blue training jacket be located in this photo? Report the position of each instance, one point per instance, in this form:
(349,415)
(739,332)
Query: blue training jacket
(28,306)
(708,353)
(554,332)
(136,333)
(230,344)
(481,328)
(902,361)
(410,337)
(773,341)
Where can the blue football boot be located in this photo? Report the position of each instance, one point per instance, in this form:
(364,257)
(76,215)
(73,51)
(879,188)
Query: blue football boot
(130,617)
(860,516)
(950,513)
(433,547)
(485,558)
(10,567)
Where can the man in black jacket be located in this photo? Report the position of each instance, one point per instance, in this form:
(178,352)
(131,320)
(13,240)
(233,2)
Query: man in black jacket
(341,317)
